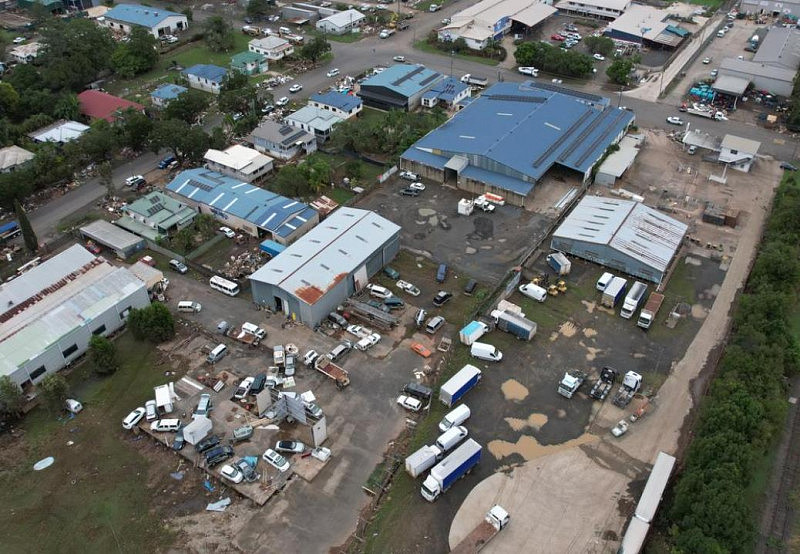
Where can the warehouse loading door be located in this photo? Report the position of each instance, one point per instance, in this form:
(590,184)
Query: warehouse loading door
(360,278)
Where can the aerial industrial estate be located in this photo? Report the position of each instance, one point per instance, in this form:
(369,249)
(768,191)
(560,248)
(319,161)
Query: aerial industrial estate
(377,278)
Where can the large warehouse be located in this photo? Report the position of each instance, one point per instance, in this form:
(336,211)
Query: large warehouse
(399,87)
(252,210)
(327,265)
(505,140)
(54,309)
(621,234)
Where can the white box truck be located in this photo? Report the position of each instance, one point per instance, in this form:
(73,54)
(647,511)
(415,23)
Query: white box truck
(633,300)
(422,460)
(451,469)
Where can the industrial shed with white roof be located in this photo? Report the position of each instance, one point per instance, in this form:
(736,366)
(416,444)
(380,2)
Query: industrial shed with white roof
(621,234)
(52,310)
(327,265)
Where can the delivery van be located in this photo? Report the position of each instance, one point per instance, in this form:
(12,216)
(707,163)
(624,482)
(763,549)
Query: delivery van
(454,417)
(533,291)
(450,438)
(217,354)
(486,352)
(189,306)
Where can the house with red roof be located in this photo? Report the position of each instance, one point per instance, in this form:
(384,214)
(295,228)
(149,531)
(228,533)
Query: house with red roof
(96,104)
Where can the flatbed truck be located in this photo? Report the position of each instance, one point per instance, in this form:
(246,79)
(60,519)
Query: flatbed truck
(650,310)
(324,365)
(495,521)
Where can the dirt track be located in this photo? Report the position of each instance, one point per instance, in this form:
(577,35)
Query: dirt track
(581,497)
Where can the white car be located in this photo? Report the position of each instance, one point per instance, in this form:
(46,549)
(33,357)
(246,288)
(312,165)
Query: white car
(134,180)
(19,40)
(282,101)
(532,71)
(310,357)
(378,291)
(358,331)
(275,460)
(297,87)
(599,57)
(244,388)
(706,60)
(408,287)
(150,410)
(292,447)
(408,176)
(409,403)
(399,58)
(232,474)
(133,418)
(620,429)
(672,120)
(227,231)
(417,186)
(332,72)
(368,342)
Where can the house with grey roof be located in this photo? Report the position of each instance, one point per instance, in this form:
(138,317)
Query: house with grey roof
(157,21)
(318,121)
(281,140)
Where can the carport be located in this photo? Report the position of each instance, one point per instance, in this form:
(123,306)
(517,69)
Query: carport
(530,17)
(731,85)
(123,243)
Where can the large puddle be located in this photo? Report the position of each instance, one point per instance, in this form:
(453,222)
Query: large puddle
(535,421)
(530,449)
(514,390)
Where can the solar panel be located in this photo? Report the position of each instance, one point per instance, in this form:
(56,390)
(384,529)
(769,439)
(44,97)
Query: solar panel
(202,186)
(516,98)
(285,130)
(429,79)
(417,70)
(151,211)
(569,92)
(155,199)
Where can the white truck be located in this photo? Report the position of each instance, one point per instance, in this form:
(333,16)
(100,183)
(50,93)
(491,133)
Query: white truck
(422,460)
(472,332)
(495,521)
(571,382)
(648,313)
(386,33)
(462,460)
(465,206)
(483,204)
(614,292)
(474,80)
(633,299)
(629,387)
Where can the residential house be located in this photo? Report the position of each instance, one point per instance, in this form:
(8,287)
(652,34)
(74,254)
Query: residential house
(165,94)
(274,48)
(342,22)
(25,53)
(281,140)
(343,105)
(60,132)
(158,22)
(314,120)
(250,63)
(205,77)
(451,93)
(155,215)
(240,162)
(96,104)
(12,157)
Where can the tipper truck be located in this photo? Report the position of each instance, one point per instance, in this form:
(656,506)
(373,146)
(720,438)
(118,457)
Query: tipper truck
(633,300)
(614,292)
(422,460)
(571,382)
(495,521)
(648,313)
(451,469)
(458,385)
(517,325)
(472,332)
(608,376)
(324,365)
(630,386)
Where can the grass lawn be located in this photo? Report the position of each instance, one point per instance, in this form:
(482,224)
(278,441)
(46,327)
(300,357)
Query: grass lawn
(425,47)
(94,498)
(339,195)
(345,38)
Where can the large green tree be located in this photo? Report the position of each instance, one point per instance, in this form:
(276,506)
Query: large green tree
(291,181)
(137,55)
(134,129)
(187,107)
(28,234)
(54,391)
(74,52)
(599,45)
(315,48)
(620,71)
(11,397)
(100,142)
(153,323)
(185,142)
(218,34)
(103,355)
(257,8)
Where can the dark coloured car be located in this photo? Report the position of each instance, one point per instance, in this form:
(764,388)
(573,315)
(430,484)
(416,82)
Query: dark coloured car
(788,166)
(391,273)
(166,162)
(217,455)
(207,443)
(441,273)
(394,303)
(409,192)
(378,305)
(258,383)
(333,317)
(179,441)
(471,286)
(442,297)
(420,391)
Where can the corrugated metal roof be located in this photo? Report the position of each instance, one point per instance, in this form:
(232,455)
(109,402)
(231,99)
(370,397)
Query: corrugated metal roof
(534,14)
(263,208)
(731,84)
(622,159)
(404,79)
(741,144)
(641,21)
(345,102)
(318,119)
(213,73)
(327,254)
(110,235)
(522,129)
(140,15)
(168,91)
(629,227)
(60,131)
(781,46)
(344,18)
(12,156)
(756,69)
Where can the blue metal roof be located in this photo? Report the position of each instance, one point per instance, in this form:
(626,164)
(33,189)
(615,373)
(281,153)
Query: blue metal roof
(168,92)
(523,129)
(338,100)
(448,89)
(404,79)
(140,15)
(265,209)
(213,73)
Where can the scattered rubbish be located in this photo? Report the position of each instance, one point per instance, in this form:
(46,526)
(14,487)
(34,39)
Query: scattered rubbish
(43,464)
(252,461)
(70,443)
(219,506)
(209,487)
(178,475)
(288,382)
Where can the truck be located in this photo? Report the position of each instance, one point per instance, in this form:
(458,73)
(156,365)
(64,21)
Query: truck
(614,292)
(601,388)
(648,313)
(483,204)
(472,332)
(451,469)
(494,198)
(495,521)
(632,300)
(506,306)
(422,460)
(559,262)
(474,80)
(249,334)
(631,384)
(517,325)
(708,113)
(324,365)
(386,33)
(459,384)
(251,30)
(570,383)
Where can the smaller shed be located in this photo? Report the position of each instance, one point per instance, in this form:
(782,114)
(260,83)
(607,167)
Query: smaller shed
(164,399)
(618,162)
(197,430)
(149,275)
(123,243)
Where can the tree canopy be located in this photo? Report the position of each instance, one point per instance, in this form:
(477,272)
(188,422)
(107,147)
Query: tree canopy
(553,59)
(74,52)
(620,71)
(218,34)
(136,56)
(153,323)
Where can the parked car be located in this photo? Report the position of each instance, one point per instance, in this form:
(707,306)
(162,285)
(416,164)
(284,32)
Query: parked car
(227,231)
(247,470)
(421,349)
(333,317)
(244,388)
(332,73)
(706,61)
(207,443)
(378,305)
(292,447)
(150,410)
(310,357)
(358,331)
(178,266)
(599,57)
(391,273)
(288,367)
(297,87)
(409,192)
(133,418)
(282,101)
(419,317)
(409,403)
(259,382)
(314,410)
(556,37)
(532,71)
(417,186)
(394,303)
(217,455)
(378,291)
(673,120)
(179,442)
(408,176)
(787,166)
(231,473)
(442,297)
(399,58)
(408,287)
(434,324)
(135,181)
(167,162)
(275,460)
(165,425)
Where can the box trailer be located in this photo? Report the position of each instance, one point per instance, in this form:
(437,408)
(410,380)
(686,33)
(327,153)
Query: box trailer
(472,332)
(614,292)
(451,469)
(559,263)
(422,460)
(633,299)
(519,326)
(459,384)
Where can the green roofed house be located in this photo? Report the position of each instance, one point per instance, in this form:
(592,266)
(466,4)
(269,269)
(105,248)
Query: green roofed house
(155,215)
(51,6)
(250,63)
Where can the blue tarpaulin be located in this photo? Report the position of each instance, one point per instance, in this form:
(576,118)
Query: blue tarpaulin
(272,248)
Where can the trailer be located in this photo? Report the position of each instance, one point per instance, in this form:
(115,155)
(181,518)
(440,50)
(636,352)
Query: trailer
(472,332)
(519,326)
(495,198)
(601,388)
(506,306)
(614,292)
(631,384)
(648,313)
(422,460)
(632,300)
(559,263)
(465,206)
(271,247)
(474,80)
(324,365)
(495,521)
(451,469)
(570,383)
(459,384)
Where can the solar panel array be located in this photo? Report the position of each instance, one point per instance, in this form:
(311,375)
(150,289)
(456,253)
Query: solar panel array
(400,80)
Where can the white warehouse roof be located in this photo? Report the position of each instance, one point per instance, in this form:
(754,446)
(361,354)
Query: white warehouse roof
(629,227)
(327,254)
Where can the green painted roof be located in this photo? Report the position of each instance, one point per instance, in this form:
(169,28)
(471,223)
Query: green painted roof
(161,210)
(246,57)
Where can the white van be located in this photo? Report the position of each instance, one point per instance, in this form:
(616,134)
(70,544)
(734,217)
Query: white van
(533,291)
(253,329)
(189,306)
(603,281)
(217,354)
(484,351)
(378,291)
(165,425)
(284,30)
(454,417)
(450,438)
